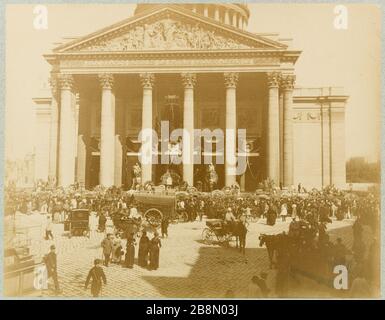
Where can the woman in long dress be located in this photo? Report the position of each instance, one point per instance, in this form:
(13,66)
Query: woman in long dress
(155,245)
(109,225)
(144,244)
(117,250)
(130,252)
(283,211)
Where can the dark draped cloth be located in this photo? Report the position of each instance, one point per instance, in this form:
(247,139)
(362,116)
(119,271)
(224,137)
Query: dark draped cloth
(271,217)
(144,244)
(155,245)
(130,255)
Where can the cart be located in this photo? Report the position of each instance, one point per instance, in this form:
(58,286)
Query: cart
(215,231)
(156,207)
(77,223)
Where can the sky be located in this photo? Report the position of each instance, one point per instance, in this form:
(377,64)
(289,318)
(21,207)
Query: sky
(348,58)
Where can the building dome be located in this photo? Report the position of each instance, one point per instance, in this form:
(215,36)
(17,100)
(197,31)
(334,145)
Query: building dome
(234,14)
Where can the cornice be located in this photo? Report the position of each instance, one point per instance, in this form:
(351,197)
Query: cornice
(320,99)
(284,56)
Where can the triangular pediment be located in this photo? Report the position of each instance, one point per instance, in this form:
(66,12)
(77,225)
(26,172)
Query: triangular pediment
(168,28)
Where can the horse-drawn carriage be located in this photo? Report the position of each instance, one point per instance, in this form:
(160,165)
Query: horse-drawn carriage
(215,231)
(300,252)
(218,231)
(156,207)
(77,223)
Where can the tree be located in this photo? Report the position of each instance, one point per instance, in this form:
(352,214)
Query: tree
(360,171)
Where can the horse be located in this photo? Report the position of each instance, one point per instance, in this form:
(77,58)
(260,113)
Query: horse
(239,231)
(297,256)
(273,243)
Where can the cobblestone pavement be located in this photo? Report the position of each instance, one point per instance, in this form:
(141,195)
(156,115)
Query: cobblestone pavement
(189,268)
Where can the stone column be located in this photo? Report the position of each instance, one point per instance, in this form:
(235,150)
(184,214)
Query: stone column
(281,135)
(107,145)
(273,128)
(287,83)
(231,79)
(75,114)
(227,17)
(54,127)
(189,81)
(147,80)
(325,147)
(235,19)
(119,141)
(206,10)
(216,13)
(66,145)
(82,137)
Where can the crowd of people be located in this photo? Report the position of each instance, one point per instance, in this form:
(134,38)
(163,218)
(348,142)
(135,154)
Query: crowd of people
(312,210)
(316,205)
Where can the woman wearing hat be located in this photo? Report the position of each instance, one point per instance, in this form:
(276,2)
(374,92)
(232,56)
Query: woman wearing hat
(155,245)
(130,252)
(144,245)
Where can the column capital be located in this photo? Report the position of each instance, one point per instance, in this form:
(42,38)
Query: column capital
(147,80)
(65,81)
(231,79)
(54,83)
(273,79)
(189,80)
(106,80)
(287,81)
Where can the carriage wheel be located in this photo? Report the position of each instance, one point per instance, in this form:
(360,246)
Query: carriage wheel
(208,236)
(154,217)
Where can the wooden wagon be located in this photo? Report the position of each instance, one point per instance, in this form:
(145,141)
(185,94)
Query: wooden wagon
(156,207)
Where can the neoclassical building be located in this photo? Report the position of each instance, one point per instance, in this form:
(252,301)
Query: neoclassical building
(196,66)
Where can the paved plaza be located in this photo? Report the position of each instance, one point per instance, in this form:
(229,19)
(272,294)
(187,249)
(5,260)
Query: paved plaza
(189,268)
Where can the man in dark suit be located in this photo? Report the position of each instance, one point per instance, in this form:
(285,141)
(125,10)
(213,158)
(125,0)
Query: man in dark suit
(107,245)
(51,264)
(96,276)
(102,221)
(164,227)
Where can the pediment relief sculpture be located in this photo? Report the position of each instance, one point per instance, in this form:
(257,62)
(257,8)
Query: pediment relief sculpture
(167,34)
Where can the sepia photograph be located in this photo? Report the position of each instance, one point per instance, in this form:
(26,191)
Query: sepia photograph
(193,150)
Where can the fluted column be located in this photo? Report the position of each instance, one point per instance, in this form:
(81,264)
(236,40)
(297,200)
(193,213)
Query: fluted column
(231,79)
(287,84)
(273,128)
(281,136)
(227,17)
(119,141)
(147,80)
(216,13)
(235,19)
(107,142)
(189,81)
(54,127)
(82,139)
(66,143)
(205,10)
